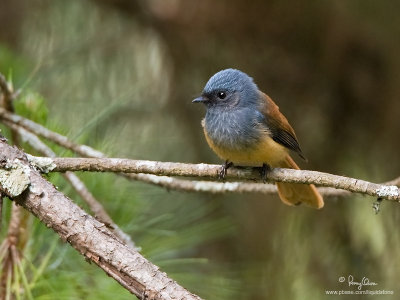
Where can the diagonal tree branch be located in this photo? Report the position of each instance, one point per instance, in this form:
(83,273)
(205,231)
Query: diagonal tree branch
(87,235)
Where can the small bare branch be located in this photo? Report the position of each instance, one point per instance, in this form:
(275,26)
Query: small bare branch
(8,94)
(395,181)
(11,120)
(214,187)
(48,134)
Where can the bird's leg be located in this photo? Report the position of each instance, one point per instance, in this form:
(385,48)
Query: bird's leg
(263,172)
(224,168)
(377,205)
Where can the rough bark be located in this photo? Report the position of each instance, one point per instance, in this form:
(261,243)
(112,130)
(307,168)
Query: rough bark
(90,237)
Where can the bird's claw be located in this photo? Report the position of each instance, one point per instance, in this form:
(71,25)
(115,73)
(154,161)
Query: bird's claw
(377,205)
(263,172)
(224,168)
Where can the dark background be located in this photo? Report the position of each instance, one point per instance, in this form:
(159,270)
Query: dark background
(120,75)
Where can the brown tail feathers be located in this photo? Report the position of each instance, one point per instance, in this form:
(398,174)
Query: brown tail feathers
(294,193)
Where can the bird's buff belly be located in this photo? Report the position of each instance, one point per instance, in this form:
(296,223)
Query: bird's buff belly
(265,151)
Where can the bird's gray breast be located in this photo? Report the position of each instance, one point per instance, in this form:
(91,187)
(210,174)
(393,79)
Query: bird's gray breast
(237,129)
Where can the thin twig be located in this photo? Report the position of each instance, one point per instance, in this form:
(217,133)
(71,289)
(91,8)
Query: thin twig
(48,134)
(395,181)
(7,102)
(8,93)
(214,187)
(208,186)
(39,130)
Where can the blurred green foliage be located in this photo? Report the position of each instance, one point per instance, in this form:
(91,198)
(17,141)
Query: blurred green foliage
(32,105)
(119,76)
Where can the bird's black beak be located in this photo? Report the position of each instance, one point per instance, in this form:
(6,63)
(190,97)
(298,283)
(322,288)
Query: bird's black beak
(201,99)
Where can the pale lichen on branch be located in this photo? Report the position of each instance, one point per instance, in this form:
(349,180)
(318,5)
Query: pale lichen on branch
(388,191)
(14,177)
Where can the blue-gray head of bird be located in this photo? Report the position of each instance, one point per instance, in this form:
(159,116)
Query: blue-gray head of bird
(229,89)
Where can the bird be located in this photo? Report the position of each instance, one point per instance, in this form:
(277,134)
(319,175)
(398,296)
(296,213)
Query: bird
(245,127)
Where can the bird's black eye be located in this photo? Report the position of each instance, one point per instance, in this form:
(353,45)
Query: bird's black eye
(221,95)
